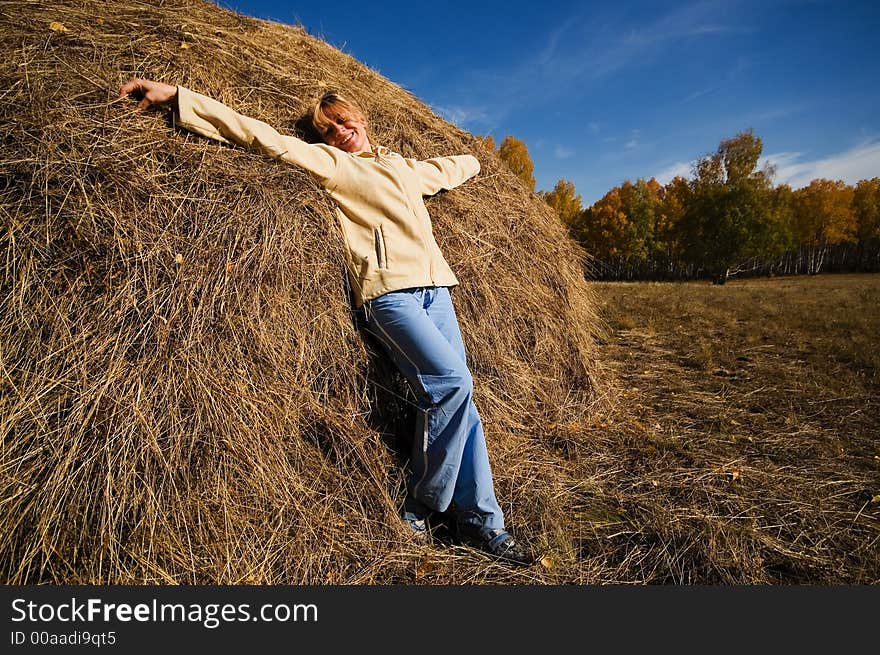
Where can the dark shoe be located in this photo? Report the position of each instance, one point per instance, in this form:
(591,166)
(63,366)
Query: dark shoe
(501,544)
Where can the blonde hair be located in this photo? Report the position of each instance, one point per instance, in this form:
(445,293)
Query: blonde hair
(332,107)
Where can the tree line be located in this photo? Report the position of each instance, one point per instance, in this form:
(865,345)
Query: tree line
(728,219)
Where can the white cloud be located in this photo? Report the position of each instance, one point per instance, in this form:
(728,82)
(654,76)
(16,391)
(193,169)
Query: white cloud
(681,168)
(858,163)
(634,141)
(740,66)
(591,46)
(675,27)
(462,115)
(561,152)
(701,92)
(769,115)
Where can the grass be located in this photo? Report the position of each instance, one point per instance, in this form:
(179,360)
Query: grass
(745,445)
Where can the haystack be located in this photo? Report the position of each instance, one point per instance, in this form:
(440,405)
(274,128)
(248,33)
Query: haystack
(184,395)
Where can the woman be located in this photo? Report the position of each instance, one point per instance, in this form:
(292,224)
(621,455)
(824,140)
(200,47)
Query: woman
(400,280)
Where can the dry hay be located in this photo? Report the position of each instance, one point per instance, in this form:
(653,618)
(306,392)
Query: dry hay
(185,398)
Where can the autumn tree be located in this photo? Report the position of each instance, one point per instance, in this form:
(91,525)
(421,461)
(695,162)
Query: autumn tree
(781,218)
(620,229)
(515,154)
(488,142)
(565,200)
(603,226)
(639,203)
(726,218)
(824,213)
(866,207)
(674,197)
(823,217)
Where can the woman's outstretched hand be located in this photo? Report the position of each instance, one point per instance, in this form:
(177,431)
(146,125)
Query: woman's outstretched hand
(151,92)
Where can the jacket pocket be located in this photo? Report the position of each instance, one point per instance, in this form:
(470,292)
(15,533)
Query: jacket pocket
(381,254)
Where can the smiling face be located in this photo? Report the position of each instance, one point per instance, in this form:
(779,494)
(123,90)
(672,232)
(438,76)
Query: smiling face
(341,124)
(349,134)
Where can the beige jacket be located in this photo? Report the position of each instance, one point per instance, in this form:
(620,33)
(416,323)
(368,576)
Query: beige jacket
(387,230)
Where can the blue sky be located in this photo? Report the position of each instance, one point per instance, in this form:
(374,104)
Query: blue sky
(601,92)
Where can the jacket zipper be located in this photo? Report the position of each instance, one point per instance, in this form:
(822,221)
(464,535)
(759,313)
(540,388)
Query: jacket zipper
(425,235)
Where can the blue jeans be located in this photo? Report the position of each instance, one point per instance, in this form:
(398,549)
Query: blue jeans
(449,465)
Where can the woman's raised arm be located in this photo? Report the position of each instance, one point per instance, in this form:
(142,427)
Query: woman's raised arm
(440,173)
(211,118)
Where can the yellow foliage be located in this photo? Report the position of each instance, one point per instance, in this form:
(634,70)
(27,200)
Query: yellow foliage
(824,213)
(515,154)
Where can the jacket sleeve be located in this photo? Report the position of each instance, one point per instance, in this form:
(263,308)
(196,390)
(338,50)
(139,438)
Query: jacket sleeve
(213,119)
(444,172)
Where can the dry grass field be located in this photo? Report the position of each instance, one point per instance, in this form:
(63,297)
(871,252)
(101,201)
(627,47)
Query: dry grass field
(744,448)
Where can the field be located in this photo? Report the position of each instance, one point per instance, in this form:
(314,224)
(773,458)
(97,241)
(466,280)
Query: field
(744,448)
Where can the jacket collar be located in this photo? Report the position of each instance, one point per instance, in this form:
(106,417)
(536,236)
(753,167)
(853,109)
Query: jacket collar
(378,151)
